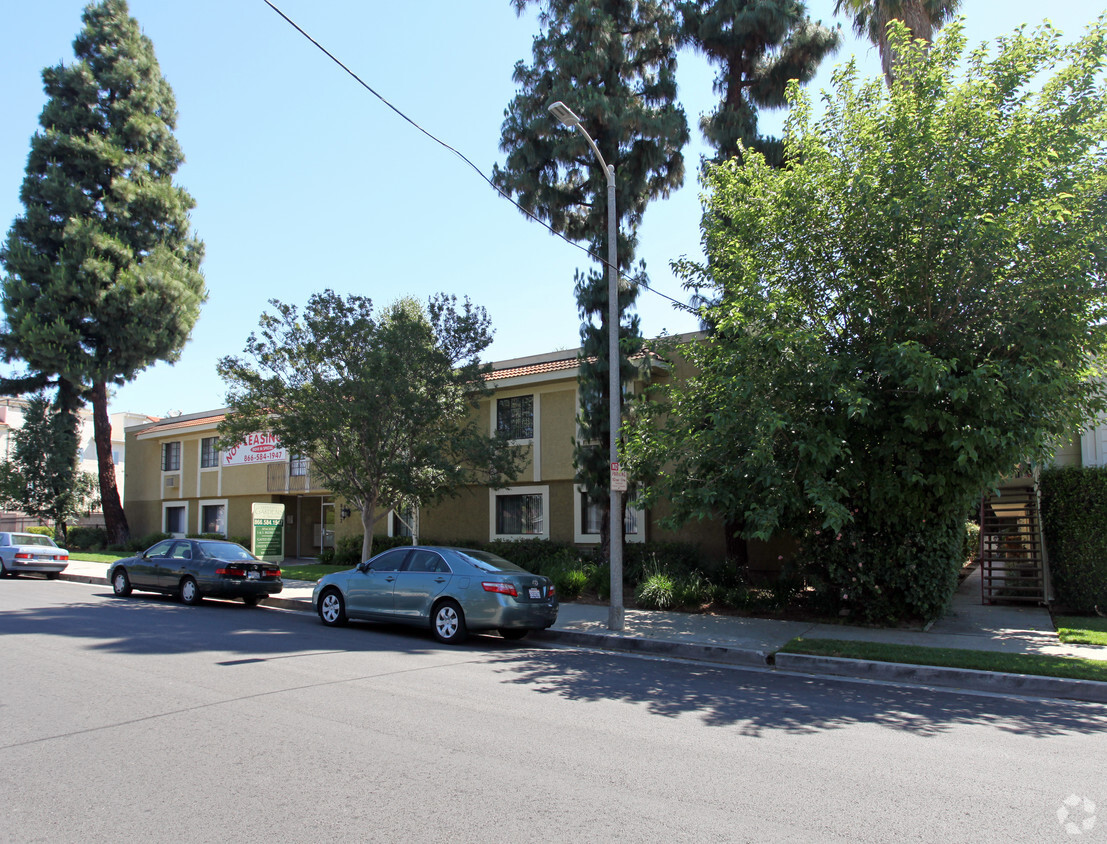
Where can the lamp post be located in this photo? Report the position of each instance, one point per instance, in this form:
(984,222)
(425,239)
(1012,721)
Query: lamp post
(616,613)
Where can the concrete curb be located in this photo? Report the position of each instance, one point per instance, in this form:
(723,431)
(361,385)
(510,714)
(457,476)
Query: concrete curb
(957,678)
(656,647)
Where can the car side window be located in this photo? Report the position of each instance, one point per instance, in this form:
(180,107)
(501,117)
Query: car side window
(159,550)
(389,560)
(181,551)
(5,540)
(426,561)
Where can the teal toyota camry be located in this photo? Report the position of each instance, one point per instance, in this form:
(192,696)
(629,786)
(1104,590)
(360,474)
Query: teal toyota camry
(451,591)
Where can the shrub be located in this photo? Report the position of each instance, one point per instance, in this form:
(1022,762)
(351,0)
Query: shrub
(208,536)
(384,543)
(1074,510)
(642,559)
(347,550)
(570,584)
(42,530)
(87,538)
(693,591)
(244,541)
(143,542)
(656,592)
(326,556)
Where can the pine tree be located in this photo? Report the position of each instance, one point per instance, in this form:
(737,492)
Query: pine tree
(760,46)
(613,62)
(102,274)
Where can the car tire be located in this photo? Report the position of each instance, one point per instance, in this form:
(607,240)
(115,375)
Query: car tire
(120,583)
(513,634)
(190,592)
(53,575)
(251,600)
(332,609)
(4,572)
(448,623)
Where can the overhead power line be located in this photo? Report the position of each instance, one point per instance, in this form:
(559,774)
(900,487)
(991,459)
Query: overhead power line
(636,280)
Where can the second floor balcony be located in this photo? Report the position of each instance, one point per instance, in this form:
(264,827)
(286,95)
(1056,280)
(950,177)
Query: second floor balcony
(292,477)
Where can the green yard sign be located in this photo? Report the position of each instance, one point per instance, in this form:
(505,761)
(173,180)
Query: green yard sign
(268,532)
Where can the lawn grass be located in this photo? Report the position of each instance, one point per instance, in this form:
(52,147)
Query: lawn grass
(1081,630)
(90,557)
(1069,668)
(309,571)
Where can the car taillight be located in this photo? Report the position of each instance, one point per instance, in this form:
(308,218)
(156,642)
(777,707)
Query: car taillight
(63,557)
(272,573)
(232,571)
(24,556)
(502,588)
(551,591)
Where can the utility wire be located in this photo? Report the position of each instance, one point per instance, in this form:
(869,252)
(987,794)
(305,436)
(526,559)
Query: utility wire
(638,280)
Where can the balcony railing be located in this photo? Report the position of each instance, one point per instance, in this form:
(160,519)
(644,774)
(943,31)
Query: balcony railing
(295,477)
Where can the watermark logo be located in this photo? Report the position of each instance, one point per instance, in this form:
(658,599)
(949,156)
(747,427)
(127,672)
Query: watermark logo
(1076,815)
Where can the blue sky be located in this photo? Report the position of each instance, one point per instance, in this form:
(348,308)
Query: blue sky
(303,180)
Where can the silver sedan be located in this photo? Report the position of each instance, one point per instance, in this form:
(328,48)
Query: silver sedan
(450,590)
(31,552)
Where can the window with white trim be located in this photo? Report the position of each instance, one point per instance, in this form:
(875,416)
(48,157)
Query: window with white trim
(213,517)
(588,519)
(209,454)
(515,417)
(520,513)
(171,457)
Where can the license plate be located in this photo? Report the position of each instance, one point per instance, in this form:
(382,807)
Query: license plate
(535,593)
(253,575)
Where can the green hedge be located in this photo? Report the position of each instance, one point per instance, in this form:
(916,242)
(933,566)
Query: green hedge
(42,530)
(1074,515)
(87,538)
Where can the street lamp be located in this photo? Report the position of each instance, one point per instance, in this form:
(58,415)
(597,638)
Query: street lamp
(615,617)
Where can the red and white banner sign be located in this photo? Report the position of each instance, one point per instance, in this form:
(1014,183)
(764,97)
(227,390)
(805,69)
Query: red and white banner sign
(257,448)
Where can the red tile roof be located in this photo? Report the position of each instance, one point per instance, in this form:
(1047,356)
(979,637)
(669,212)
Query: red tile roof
(533,369)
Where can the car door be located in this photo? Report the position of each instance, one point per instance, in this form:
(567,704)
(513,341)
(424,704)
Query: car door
(143,571)
(369,591)
(425,574)
(175,565)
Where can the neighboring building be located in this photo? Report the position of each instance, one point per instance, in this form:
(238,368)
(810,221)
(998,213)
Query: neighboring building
(11,418)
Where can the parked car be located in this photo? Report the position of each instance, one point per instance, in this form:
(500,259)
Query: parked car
(23,552)
(450,590)
(194,569)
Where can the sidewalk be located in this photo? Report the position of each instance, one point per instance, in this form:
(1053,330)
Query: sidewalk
(754,641)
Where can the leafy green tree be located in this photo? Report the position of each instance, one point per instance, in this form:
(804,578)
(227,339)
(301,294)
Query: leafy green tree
(383,404)
(41,479)
(102,276)
(906,312)
(871,19)
(759,46)
(613,62)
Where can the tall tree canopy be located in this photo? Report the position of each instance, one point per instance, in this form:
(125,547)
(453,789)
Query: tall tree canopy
(759,47)
(613,63)
(41,477)
(911,308)
(383,404)
(871,18)
(102,275)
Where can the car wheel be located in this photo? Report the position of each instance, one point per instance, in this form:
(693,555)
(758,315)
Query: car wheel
(4,570)
(120,583)
(332,609)
(190,592)
(250,600)
(448,623)
(513,634)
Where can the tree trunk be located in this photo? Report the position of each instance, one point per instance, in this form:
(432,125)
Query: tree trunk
(115,520)
(368,517)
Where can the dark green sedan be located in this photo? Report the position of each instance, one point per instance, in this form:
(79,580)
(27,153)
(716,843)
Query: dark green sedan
(193,569)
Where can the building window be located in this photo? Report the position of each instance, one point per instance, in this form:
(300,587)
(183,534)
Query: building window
(520,512)
(515,417)
(209,454)
(400,522)
(298,466)
(213,518)
(171,457)
(175,520)
(589,516)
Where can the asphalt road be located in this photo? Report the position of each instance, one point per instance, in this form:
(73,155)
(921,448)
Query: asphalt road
(142,719)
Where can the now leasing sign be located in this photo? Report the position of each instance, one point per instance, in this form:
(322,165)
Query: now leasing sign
(256,448)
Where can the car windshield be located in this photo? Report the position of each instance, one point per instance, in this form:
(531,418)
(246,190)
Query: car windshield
(32,539)
(225,551)
(485,561)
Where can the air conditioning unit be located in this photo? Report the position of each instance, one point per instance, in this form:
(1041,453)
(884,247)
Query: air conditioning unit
(171,480)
